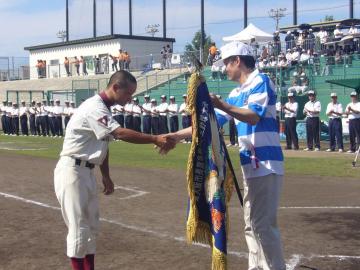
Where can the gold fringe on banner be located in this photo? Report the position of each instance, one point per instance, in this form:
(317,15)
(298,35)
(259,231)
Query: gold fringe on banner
(198,231)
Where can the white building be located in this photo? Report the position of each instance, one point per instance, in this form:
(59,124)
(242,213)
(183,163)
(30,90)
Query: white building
(142,50)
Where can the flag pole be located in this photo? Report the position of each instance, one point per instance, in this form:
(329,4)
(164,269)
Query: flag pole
(233,172)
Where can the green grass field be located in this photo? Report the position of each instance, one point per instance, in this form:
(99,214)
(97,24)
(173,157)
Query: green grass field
(145,156)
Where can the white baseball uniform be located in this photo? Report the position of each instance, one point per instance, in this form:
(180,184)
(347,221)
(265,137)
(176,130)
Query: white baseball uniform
(85,145)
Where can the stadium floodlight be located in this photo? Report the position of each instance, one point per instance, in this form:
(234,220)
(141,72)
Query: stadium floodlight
(152,29)
(61,35)
(277,14)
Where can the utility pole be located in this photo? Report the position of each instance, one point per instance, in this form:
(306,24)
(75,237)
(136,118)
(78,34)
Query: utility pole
(277,14)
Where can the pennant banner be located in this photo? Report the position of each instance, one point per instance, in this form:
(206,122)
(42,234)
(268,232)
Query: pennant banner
(209,179)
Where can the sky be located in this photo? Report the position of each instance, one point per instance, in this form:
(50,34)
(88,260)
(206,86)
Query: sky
(34,22)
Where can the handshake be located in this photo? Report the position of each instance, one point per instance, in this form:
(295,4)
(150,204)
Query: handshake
(167,142)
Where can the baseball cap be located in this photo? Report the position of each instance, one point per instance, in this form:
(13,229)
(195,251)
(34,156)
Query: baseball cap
(232,49)
(57,100)
(291,94)
(353,93)
(135,99)
(333,95)
(311,92)
(163,96)
(153,100)
(22,101)
(218,96)
(66,101)
(172,97)
(72,102)
(184,95)
(146,96)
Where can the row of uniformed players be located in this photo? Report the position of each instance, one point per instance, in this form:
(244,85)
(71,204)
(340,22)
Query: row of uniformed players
(312,111)
(42,118)
(150,117)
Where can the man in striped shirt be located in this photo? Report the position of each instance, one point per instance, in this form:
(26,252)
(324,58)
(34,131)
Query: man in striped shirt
(252,105)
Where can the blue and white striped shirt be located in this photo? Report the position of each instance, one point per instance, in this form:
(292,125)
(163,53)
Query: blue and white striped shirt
(258,95)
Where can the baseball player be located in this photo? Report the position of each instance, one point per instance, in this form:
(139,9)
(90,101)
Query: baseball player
(154,118)
(173,115)
(52,120)
(252,104)
(66,113)
(185,117)
(163,120)
(118,114)
(88,134)
(129,122)
(290,111)
(38,120)
(15,119)
(9,109)
(353,112)
(312,111)
(32,113)
(58,112)
(44,113)
(334,111)
(23,111)
(136,112)
(146,109)
(3,117)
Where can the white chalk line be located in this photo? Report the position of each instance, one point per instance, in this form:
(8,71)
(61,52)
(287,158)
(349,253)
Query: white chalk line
(319,207)
(292,262)
(137,192)
(22,149)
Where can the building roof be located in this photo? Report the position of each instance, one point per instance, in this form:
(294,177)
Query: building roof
(96,39)
(329,25)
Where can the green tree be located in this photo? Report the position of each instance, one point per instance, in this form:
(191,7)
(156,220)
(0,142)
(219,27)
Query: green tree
(194,46)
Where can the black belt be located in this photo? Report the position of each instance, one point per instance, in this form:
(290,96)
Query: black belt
(87,164)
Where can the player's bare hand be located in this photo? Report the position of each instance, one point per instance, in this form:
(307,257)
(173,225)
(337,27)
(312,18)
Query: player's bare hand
(108,185)
(165,143)
(216,101)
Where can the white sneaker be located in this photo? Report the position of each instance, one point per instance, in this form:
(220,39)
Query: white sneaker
(229,145)
(329,150)
(306,149)
(317,149)
(349,151)
(341,151)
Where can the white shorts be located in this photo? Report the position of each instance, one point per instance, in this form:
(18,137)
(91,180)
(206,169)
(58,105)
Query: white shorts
(75,189)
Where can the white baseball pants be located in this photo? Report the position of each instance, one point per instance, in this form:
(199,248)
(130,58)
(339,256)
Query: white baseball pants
(261,200)
(75,188)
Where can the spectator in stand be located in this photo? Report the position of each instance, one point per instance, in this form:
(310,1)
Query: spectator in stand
(282,61)
(212,53)
(295,56)
(105,64)
(288,56)
(264,53)
(311,39)
(334,111)
(214,72)
(277,43)
(289,40)
(121,60)
(77,65)
(323,36)
(84,67)
(127,60)
(169,53)
(353,30)
(97,64)
(114,62)
(273,62)
(338,34)
(304,57)
(261,64)
(353,112)
(38,68)
(255,47)
(67,66)
(163,56)
(301,39)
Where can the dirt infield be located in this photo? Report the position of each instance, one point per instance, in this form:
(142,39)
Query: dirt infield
(143,223)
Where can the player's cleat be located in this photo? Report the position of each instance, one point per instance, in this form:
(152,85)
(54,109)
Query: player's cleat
(317,149)
(341,150)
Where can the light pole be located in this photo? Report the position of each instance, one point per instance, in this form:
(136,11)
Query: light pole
(277,14)
(152,29)
(62,34)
